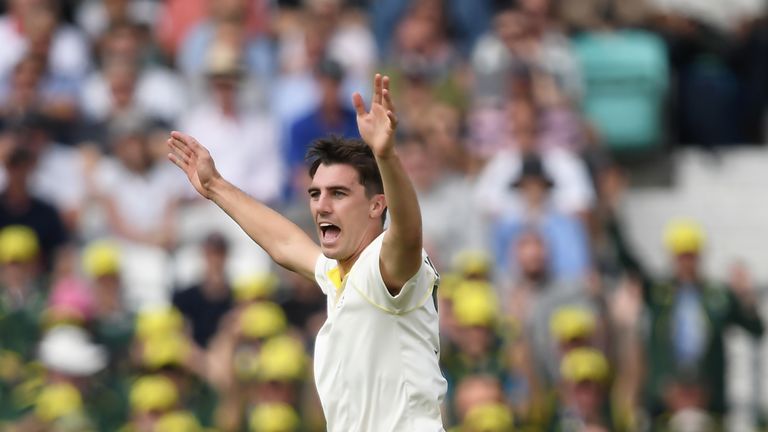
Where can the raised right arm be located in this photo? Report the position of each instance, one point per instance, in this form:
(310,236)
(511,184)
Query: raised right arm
(287,244)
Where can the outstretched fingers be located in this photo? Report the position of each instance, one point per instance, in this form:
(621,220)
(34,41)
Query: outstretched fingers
(358,103)
(377,89)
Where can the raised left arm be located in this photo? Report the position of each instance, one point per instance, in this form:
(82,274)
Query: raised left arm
(400,257)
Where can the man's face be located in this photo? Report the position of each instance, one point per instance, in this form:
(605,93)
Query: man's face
(342,212)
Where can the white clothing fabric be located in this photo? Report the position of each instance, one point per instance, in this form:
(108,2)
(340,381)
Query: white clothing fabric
(376,356)
(246,149)
(572,192)
(724,15)
(142,200)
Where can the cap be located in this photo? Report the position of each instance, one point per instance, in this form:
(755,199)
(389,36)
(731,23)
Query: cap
(254,286)
(274,417)
(101,258)
(18,243)
(474,305)
(571,322)
(262,320)
(472,262)
(56,401)
(683,237)
(282,358)
(158,320)
(67,349)
(178,421)
(532,166)
(488,418)
(162,350)
(153,393)
(584,364)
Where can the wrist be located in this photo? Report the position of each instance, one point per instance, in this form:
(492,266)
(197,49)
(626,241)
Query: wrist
(216,187)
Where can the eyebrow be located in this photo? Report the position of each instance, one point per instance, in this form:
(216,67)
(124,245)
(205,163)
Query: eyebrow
(330,188)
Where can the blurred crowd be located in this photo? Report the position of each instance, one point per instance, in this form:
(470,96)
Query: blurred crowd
(129,304)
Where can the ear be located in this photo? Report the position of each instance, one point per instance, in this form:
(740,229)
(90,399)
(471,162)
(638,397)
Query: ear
(378,206)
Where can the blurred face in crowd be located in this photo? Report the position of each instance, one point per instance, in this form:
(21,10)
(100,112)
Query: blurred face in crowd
(329,93)
(133,152)
(26,77)
(228,9)
(419,164)
(225,90)
(475,341)
(531,256)
(534,191)
(346,218)
(687,266)
(586,397)
(121,77)
(476,390)
(122,42)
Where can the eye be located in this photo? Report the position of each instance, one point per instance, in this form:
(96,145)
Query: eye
(338,194)
(314,194)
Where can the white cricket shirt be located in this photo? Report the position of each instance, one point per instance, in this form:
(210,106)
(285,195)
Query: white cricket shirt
(376,356)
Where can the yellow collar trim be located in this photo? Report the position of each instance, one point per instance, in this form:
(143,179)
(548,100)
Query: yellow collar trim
(334,275)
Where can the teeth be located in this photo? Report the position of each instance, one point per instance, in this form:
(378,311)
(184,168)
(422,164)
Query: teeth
(325,225)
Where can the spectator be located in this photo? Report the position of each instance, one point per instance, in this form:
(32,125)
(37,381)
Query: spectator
(23,297)
(127,79)
(245,143)
(565,236)
(441,191)
(58,170)
(18,205)
(572,193)
(140,194)
(476,391)
(66,49)
(689,315)
(330,116)
(205,303)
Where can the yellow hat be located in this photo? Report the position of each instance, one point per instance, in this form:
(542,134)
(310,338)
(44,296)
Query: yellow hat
(683,237)
(584,364)
(472,262)
(153,393)
(56,401)
(262,320)
(571,322)
(178,421)
(492,417)
(274,417)
(18,243)
(475,305)
(165,349)
(158,320)
(255,286)
(448,284)
(101,258)
(282,358)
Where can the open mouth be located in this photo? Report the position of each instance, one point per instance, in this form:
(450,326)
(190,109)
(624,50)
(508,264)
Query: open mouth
(329,232)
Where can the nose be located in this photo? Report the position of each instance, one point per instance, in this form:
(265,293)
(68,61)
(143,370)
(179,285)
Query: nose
(323,204)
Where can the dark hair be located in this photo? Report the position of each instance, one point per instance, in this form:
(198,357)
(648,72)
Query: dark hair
(354,152)
(349,151)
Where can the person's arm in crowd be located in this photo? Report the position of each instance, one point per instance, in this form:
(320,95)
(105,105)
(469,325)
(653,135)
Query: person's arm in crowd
(626,311)
(287,244)
(401,249)
(744,304)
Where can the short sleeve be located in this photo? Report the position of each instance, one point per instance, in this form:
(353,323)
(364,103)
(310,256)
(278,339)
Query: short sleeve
(414,293)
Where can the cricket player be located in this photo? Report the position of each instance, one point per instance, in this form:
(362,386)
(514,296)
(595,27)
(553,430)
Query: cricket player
(376,356)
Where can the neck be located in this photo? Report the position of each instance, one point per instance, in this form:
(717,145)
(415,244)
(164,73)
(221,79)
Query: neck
(346,264)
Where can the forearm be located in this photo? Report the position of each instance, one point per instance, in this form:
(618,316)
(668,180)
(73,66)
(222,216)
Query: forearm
(285,242)
(402,203)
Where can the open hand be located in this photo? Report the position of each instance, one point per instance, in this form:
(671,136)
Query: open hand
(377,126)
(194,160)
